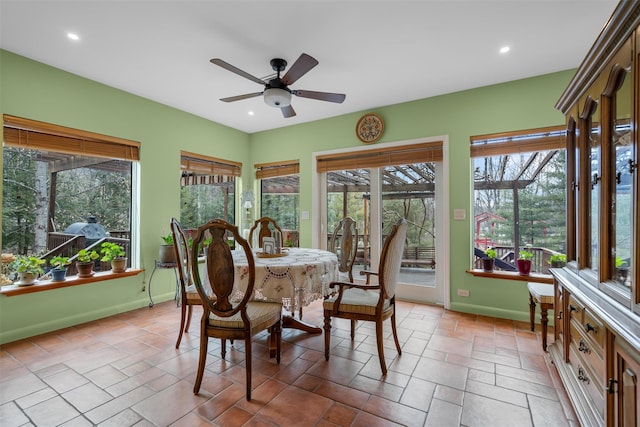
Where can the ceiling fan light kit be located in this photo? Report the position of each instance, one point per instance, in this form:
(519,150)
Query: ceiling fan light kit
(276,91)
(276,97)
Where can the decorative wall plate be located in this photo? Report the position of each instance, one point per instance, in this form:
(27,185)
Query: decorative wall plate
(369,128)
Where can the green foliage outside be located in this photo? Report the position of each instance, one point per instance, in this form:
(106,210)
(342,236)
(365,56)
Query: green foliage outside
(102,190)
(201,203)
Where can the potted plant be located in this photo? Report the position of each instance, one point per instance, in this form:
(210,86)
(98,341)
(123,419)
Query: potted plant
(167,251)
(85,261)
(115,254)
(59,270)
(558,260)
(28,268)
(488,260)
(622,270)
(524,262)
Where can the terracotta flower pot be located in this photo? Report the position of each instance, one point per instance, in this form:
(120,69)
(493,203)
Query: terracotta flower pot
(524,267)
(119,265)
(85,269)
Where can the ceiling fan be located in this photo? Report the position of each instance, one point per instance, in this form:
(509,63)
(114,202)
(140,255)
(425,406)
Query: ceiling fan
(276,90)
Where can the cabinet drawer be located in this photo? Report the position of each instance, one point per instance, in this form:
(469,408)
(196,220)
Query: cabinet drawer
(593,327)
(592,387)
(575,309)
(591,354)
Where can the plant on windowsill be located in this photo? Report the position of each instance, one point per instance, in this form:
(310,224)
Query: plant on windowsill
(622,270)
(28,269)
(167,252)
(558,260)
(115,254)
(524,262)
(85,262)
(488,260)
(59,270)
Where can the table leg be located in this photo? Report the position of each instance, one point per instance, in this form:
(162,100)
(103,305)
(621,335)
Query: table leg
(290,322)
(151,304)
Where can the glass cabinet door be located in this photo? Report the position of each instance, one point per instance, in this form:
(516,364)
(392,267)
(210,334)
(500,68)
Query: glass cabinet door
(622,189)
(595,163)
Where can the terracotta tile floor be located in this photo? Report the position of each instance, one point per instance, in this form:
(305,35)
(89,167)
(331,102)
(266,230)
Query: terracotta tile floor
(456,370)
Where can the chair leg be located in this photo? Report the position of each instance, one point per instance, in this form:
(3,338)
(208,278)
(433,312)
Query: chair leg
(353,329)
(278,332)
(247,362)
(544,321)
(379,340)
(327,336)
(183,315)
(204,341)
(189,312)
(395,332)
(532,312)
(223,347)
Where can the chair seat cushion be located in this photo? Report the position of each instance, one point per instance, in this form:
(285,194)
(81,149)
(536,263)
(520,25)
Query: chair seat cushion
(261,315)
(541,292)
(357,301)
(192,295)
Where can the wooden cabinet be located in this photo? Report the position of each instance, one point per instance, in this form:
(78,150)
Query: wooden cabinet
(597,295)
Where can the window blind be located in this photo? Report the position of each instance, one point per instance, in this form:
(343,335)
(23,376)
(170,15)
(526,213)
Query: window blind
(200,169)
(389,156)
(32,134)
(525,141)
(274,169)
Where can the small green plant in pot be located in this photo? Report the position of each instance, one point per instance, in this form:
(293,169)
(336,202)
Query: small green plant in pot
(28,269)
(558,260)
(489,259)
(59,268)
(622,271)
(115,254)
(524,262)
(167,251)
(85,262)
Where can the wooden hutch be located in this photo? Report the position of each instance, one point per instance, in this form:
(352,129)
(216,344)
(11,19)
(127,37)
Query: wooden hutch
(597,296)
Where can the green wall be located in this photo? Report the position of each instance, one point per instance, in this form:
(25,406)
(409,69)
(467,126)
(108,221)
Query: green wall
(32,90)
(36,91)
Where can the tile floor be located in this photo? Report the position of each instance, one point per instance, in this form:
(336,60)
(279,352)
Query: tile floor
(455,370)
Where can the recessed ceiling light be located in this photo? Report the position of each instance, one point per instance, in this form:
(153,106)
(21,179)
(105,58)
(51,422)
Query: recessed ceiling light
(251,113)
(73,36)
(505,49)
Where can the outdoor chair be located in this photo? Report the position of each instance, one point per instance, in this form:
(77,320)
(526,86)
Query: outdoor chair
(374,303)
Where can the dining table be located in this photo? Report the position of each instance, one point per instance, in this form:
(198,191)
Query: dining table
(294,276)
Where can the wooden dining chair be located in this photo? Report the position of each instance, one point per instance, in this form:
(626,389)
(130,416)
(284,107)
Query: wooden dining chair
(223,317)
(188,293)
(263,227)
(344,243)
(374,303)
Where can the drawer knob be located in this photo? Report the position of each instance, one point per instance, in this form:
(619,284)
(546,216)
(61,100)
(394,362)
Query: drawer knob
(583,347)
(559,316)
(611,389)
(589,327)
(582,376)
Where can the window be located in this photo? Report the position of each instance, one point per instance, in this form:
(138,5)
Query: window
(80,183)
(519,193)
(280,196)
(208,189)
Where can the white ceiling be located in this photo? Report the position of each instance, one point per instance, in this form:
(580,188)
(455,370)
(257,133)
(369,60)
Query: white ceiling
(376,52)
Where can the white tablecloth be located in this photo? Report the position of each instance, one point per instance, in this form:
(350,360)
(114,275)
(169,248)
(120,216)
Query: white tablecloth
(297,279)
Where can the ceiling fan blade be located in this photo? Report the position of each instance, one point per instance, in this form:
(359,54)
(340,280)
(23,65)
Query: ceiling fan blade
(219,62)
(299,68)
(322,96)
(240,97)
(288,111)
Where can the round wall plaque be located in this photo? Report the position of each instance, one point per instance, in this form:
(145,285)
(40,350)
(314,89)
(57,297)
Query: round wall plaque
(369,128)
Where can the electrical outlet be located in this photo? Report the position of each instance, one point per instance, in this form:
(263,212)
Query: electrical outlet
(463,292)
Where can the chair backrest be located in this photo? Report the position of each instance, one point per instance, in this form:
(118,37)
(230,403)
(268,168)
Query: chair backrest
(391,258)
(183,257)
(344,243)
(267,225)
(220,268)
